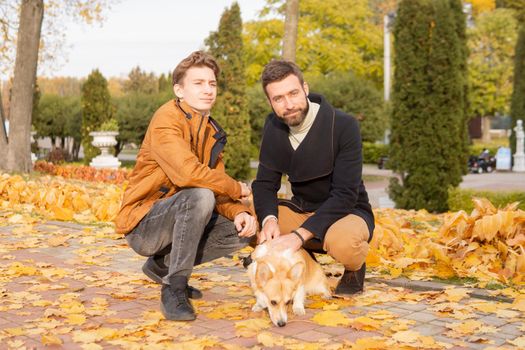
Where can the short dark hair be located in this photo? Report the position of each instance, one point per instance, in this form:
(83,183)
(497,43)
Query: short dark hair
(277,70)
(195,59)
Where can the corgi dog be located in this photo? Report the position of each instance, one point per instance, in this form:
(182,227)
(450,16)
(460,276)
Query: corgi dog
(279,278)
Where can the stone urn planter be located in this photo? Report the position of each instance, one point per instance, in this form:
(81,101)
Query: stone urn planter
(104,140)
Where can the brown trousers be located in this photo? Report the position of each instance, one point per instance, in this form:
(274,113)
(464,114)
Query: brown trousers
(346,240)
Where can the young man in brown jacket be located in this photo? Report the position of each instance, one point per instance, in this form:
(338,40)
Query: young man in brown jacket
(180,208)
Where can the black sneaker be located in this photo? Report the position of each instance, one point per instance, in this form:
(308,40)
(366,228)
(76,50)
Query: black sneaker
(352,282)
(156,271)
(175,305)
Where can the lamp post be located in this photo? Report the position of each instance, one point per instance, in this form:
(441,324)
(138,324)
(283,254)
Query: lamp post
(388,23)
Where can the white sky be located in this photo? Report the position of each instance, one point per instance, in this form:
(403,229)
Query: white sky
(154,34)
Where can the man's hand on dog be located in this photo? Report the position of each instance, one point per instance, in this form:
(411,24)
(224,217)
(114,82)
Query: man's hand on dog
(269,231)
(290,241)
(246,224)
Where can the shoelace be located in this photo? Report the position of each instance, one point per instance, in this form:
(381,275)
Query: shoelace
(182,297)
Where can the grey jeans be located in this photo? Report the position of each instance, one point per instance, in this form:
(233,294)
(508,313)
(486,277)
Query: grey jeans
(186,222)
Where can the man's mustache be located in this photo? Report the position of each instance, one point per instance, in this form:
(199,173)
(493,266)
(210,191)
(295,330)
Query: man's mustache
(292,112)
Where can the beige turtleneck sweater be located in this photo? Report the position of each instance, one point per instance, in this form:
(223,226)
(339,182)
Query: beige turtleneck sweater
(298,133)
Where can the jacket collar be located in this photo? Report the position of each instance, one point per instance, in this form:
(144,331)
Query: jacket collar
(189,112)
(313,158)
(194,119)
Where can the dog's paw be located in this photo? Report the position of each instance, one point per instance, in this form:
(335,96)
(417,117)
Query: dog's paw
(257,308)
(299,310)
(327,296)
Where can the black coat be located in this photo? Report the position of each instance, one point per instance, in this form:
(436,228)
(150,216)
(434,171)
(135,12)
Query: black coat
(324,171)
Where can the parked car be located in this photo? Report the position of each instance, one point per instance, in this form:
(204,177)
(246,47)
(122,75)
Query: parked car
(479,164)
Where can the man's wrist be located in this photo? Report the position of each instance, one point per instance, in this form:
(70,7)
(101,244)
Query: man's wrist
(305,234)
(268,218)
(299,236)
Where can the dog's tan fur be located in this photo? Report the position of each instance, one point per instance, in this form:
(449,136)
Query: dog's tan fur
(281,278)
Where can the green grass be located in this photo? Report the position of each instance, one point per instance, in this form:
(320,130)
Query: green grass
(460,281)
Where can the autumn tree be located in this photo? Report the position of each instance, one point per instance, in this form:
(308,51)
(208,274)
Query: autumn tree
(96,109)
(22,22)
(140,82)
(227,47)
(491,42)
(428,103)
(332,37)
(133,113)
(55,116)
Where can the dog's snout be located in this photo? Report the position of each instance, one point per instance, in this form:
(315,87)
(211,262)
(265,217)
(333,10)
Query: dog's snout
(281,323)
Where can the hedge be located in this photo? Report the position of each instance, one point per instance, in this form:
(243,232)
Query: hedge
(373,151)
(461,199)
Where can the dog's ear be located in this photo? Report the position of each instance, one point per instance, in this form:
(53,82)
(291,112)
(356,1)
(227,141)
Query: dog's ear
(263,273)
(296,271)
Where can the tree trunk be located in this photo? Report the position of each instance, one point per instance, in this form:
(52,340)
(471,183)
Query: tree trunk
(291,22)
(75,149)
(3,134)
(485,129)
(19,146)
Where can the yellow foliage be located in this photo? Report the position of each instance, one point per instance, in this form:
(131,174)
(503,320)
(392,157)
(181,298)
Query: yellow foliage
(480,6)
(59,199)
(487,244)
(331,318)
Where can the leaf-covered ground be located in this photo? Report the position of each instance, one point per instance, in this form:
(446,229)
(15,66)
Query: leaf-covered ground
(74,284)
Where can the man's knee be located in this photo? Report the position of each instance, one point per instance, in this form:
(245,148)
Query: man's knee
(202,199)
(348,245)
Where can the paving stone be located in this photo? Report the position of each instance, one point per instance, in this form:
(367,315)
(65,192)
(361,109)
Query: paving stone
(443,320)
(333,330)
(246,342)
(494,341)
(511,329)
(453,341)
(222,334)
(413,307)
(215,324)
(421,316)
(429,329)
(400,312)
(295,327)
(312,336)
(493,321)
(354,335)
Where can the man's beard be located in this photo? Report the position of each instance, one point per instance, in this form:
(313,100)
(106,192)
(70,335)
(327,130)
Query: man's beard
(297,120)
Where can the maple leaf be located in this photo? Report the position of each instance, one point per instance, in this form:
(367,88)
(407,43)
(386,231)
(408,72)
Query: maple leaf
(49,339)
(252,327)
(331,318)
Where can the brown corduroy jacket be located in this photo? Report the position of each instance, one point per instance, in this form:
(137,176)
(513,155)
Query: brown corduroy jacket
(181,149)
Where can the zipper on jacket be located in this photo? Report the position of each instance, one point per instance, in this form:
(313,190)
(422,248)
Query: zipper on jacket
(198,132)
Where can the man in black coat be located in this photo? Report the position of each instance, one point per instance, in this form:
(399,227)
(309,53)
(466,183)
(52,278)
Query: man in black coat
(319,149)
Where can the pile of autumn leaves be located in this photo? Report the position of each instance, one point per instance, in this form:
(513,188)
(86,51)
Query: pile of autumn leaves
(57,199)
(487,244)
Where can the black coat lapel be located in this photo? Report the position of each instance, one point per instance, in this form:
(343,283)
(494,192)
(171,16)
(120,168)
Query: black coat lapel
(313,158)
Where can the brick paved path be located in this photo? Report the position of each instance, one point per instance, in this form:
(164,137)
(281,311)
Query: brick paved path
(82,287)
